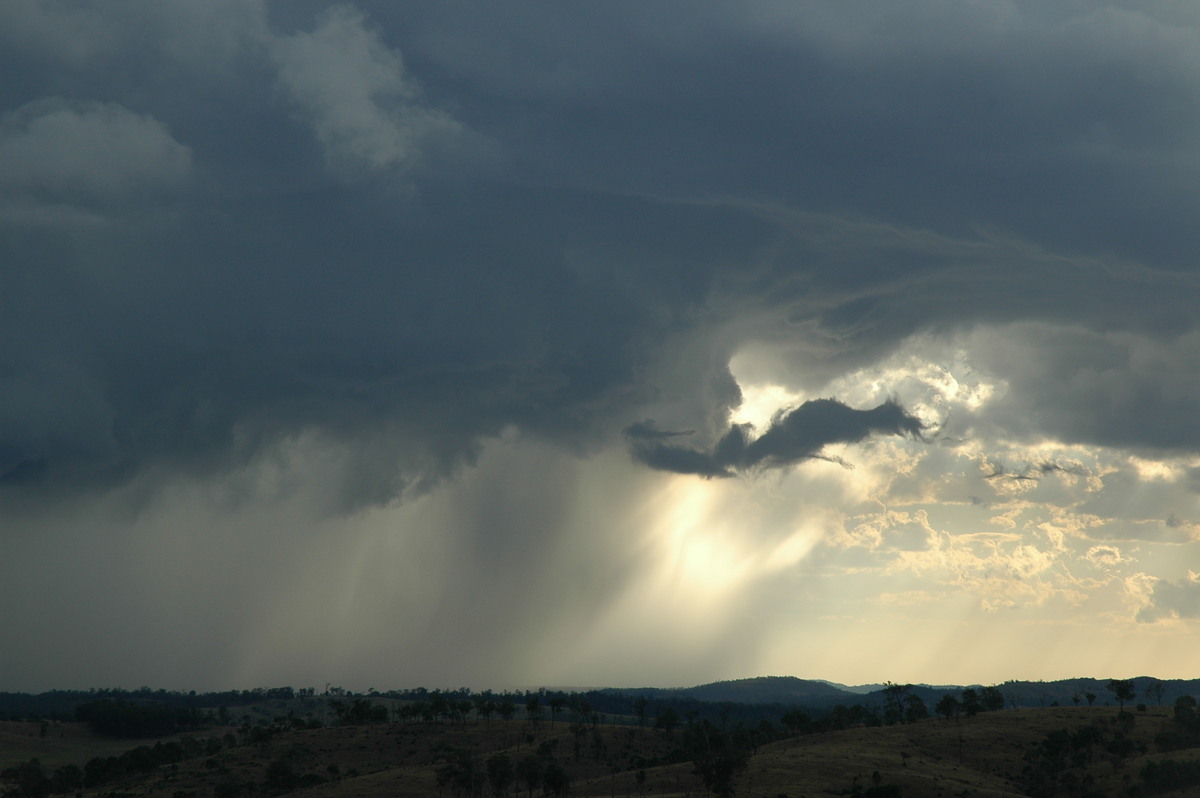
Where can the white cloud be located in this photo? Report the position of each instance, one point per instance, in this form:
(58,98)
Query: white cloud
(1105,557)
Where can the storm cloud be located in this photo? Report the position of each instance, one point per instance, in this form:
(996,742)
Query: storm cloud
(794,435)
(317,294)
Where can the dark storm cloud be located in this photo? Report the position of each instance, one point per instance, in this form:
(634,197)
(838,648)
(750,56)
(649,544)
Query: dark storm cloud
(932,116)
(413,225)
(794,435)
(267,268)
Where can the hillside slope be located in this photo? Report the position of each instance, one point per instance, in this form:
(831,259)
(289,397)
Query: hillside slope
(1054,751)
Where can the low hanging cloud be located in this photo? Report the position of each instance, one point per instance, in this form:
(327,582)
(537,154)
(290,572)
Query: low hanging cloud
(793,436)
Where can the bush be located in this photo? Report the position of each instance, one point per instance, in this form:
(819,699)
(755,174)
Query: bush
(1167,774)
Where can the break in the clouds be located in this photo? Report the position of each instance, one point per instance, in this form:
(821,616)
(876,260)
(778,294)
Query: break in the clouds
(328,327)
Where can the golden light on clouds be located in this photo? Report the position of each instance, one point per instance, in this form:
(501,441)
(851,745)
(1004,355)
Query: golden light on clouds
(760,403)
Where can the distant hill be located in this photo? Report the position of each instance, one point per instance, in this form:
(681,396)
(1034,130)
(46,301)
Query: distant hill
(759,690)
(820,694)
(857,689)
(756,696)
(768,690)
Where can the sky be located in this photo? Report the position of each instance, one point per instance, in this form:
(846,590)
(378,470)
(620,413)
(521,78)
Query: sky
(396,344)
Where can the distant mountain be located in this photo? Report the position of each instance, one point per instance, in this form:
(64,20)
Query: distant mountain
(786,690)
(768,690)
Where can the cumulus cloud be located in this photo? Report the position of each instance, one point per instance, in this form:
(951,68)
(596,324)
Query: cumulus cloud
(1105,556)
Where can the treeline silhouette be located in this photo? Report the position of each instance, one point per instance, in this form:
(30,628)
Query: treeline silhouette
(155,713)
(30,779)
(746,700)
(62,704)
(125,719)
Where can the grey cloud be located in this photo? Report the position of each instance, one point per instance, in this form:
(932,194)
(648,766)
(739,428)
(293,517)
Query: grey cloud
(207,35)
(320,257)
(1172,598)
(58,151)
(649,431)
(794,435)
(1035,471)
(624,210)
(353,88)
(822,106)
(1124,389)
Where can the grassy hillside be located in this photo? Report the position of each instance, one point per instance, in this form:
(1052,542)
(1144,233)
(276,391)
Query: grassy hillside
(1054,751)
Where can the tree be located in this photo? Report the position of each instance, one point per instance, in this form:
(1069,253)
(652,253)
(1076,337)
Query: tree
(717,757)
(506,708)
(529,771)
(796,720)
(533,709)
(358,711)
(639,709)
(439,705)
(971,703)
(67,779)
(1122,690)
(947,706)
(667,720)
(462,709)
(893,702)
(500,774)
(992,699)
(30,779)
(1185,713)
(1154,691)
(555,780)
(557,704)
(484,707)
(914,708)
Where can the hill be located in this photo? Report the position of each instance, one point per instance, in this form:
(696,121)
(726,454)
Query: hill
(1064,751)
(758,690)
(817,694)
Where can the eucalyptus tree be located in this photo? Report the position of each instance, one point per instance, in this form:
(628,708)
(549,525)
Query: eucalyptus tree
(1122,690)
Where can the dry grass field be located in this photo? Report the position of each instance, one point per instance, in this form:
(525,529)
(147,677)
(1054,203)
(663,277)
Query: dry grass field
(61,744)
(981,757)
